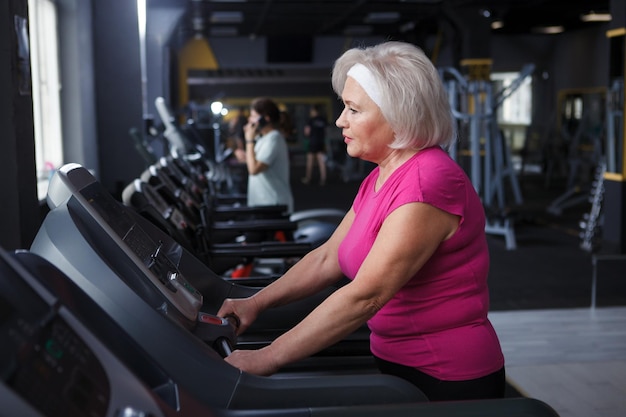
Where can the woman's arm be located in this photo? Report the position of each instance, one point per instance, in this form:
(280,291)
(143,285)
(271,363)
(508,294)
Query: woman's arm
(254,166)
(407,239)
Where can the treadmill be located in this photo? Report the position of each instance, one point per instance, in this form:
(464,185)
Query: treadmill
(218,231)
(52,364)
(161,321)
(64,356)
(221,258)
(87,226)
(166,300)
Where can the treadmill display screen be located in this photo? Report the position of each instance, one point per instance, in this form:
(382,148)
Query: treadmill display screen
(114,214)
(59,374)
(174,286)
(45,361)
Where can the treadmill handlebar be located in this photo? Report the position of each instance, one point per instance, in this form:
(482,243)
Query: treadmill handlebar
(219,332)
(234,321)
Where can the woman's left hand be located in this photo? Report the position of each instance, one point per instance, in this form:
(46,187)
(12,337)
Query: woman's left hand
(257,362)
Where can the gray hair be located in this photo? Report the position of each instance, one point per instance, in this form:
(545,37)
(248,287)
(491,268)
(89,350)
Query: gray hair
(414,100)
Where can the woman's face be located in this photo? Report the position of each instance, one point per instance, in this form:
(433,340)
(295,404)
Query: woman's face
(254,116)
(366,132)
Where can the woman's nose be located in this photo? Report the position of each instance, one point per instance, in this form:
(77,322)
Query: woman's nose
(340,122)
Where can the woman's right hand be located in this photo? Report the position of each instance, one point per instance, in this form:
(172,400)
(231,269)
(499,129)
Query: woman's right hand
(244,309)
(250,130)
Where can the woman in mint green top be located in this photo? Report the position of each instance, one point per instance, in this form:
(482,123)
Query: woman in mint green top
(413,243)
(266,156)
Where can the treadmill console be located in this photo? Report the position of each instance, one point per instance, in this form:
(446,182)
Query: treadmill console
(148,254)
(50,364)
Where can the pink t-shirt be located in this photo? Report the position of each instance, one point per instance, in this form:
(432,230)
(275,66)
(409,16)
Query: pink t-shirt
(437,322)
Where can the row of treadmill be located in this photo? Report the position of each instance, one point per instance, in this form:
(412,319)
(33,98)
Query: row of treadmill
(233,239)
(112,311)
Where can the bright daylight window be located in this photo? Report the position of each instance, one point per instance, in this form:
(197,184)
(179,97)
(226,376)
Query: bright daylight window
(516,109)
(514,113)
(45,87)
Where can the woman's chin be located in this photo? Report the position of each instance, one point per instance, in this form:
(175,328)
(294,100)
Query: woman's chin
(350,149)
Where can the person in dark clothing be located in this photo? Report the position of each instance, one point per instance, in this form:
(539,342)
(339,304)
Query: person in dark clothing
(315,131)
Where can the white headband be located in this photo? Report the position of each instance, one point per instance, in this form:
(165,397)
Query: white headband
(366,80)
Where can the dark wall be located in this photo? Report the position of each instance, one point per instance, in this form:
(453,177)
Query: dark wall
(118,94)
(263,88)
(582,60)
(19,209)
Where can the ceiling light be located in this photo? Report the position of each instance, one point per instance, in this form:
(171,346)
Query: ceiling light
(596,17)
(497,24)
(548,30)
(216,107)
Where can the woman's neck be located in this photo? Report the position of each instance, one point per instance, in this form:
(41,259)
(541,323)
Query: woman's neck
(393,161)
(266,129)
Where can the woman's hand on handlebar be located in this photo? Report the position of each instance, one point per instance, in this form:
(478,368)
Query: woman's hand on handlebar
(258,362)
(243,310)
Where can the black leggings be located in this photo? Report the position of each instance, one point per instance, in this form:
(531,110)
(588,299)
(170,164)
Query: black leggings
(490,386)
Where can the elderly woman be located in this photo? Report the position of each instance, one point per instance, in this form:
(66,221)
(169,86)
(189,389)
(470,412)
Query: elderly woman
(413,244)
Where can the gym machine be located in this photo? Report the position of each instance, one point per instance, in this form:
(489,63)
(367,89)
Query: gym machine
(64,356)
(474,104)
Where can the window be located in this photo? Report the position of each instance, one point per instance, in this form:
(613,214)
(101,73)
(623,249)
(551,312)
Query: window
(514,113)
(516,108)
(45,88)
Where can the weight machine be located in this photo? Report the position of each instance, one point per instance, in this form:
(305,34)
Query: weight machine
(592,223)
(474,105)
(582,131)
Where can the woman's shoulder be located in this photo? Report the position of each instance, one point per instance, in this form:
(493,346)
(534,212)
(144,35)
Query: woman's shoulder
(275,134)
(433,170)
(433,155)
(437,161)
(272,137)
